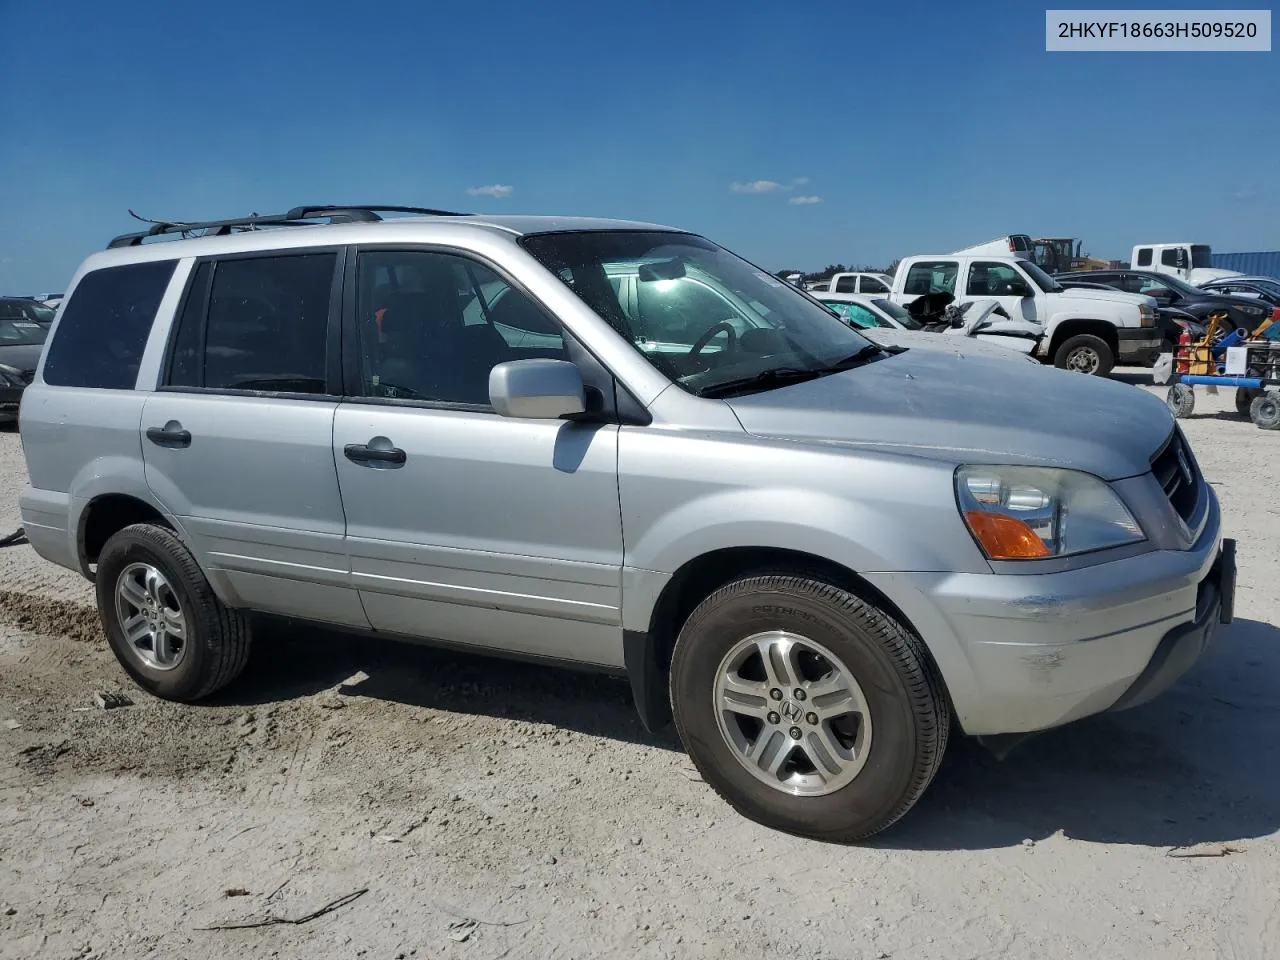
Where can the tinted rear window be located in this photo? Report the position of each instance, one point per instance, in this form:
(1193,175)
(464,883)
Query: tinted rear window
(105,325)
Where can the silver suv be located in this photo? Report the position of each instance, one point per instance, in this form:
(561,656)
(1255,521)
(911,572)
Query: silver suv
(550,438)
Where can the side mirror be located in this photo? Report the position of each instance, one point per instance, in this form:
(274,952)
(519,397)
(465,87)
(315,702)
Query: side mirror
(537,389)
(1018,288)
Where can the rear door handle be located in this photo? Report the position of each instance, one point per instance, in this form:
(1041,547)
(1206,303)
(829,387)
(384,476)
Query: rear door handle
(170,435)
(362,453)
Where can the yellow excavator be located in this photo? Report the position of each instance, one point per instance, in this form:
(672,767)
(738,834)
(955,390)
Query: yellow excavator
(1063,254)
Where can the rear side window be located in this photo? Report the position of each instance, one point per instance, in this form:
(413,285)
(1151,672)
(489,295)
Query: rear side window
(931,277)
(1169,258)
(1144,257)
(846,284)
(257,323)
(105,325)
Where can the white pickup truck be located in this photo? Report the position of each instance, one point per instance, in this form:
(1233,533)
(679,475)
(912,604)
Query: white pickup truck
(870,284)
(1192,262)
(1085,330)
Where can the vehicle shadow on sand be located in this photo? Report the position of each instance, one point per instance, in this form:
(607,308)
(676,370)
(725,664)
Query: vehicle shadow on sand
(1199,764)
(292,660)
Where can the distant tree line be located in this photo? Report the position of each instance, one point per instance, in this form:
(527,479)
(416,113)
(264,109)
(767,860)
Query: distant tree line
(831,269)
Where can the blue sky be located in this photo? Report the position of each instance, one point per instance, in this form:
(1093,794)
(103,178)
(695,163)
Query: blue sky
(922,127)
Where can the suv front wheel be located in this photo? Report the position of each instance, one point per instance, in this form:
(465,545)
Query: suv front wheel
(806,708)
(166,626)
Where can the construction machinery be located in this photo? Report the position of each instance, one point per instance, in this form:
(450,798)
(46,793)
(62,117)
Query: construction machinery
(1063,254)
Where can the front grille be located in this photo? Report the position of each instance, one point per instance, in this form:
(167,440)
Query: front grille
(1175,469)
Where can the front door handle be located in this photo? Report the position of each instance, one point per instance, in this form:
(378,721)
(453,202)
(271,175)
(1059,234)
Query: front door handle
(170,435)
(363,453)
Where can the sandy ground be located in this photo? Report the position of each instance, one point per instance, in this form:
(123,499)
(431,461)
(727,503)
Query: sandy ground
(492,809)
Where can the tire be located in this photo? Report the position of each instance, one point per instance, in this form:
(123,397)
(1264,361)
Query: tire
(1181,400)
(1085,353)
(1245,395)
(1265,411)
(1244,400)
(896,741)
(215,645)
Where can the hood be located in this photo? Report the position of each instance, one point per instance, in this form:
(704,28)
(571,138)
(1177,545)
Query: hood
(969,409)
(1111,296)
(24,356)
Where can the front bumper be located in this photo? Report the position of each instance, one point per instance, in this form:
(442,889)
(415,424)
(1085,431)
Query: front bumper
(1026,652)
(1138,344)
(1183,645)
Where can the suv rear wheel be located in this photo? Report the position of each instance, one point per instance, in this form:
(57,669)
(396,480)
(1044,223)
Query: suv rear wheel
(806,708)
(166,626)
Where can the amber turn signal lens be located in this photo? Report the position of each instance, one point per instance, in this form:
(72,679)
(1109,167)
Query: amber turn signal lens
(1005,538)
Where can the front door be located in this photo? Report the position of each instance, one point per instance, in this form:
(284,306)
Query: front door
(999,281)
(462,525)
(238,441)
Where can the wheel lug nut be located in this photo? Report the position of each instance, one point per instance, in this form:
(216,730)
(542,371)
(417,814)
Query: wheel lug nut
(796,733)
(811,718)
(799,694)
(775,694)
(774,718)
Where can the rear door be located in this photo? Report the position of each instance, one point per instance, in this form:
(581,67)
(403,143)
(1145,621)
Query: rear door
(929,276)
(238,438)
(463,525)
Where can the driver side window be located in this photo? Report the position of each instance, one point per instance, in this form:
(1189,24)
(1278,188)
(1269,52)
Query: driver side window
(432,325)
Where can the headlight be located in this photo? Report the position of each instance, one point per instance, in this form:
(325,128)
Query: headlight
(10,376)
(1146,315)
(1027,513)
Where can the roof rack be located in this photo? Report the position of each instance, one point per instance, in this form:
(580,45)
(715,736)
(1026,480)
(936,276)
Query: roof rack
(296,217)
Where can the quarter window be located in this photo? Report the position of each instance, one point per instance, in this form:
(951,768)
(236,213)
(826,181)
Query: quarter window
(258,323)
(105,326)
(432,326)
(931,277)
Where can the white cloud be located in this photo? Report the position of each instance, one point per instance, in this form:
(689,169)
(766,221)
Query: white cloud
(497,191)
(802,200)
(755,186)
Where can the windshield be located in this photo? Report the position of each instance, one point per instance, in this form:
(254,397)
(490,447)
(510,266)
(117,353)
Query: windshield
(898,313)
(698,313)
(1201,255)
(21,332)
(1175,284)
(1039,277)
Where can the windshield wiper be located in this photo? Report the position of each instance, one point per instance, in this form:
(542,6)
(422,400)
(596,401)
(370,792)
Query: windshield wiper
(764,380)
(857,359)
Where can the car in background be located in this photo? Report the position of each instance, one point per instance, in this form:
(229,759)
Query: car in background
(890,325)
(25,308)
(21,342)
(1169,291)
(1266,289)
(865,312)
